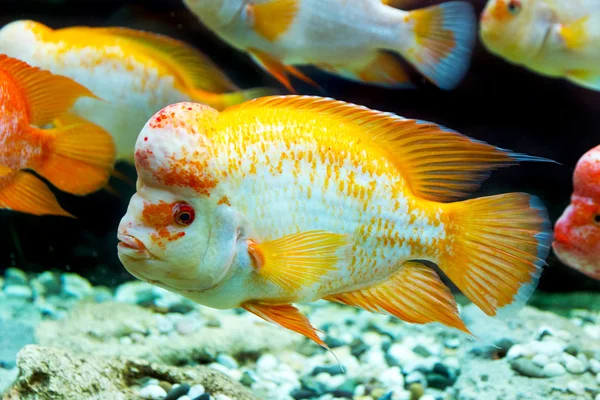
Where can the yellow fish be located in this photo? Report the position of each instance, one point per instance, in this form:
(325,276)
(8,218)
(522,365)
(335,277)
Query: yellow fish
(353,39)
(290,199)
(134,73)
(555,38)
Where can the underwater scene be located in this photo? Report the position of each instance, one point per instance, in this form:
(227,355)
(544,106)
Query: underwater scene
(300,199)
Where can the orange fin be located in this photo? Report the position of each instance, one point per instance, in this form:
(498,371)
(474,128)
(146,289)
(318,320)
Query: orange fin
(385,70)
(82,156)
(414,294)
(286,316)
(220,101)
(23,192)
(438,164)
(444,39)
(575,34)
(298,260)
(278,70)
(273,18)
(499,247)
(47,95)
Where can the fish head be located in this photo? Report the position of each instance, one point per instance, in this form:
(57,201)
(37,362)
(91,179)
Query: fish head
(216,13)
(577,232)
(169,235)
(19,39)
(517,30)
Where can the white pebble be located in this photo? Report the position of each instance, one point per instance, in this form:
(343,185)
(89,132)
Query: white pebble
(391,377)
(595,366)
(541,360)
(18,292)
(515,352)
(266,362)
(576,387)
(360,390)
(597,397)
(554,369)
(152,392)
(196,391)
(184,397)
(222,397)
(598,378)
(427,397)
(125,340)
(547,347)
(572,364)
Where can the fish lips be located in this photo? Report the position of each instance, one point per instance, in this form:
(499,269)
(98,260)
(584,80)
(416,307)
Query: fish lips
(132,247)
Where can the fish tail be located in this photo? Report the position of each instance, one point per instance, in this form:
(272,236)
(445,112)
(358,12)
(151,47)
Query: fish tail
(221,101)
(499,244)
(444,37)
(81,156)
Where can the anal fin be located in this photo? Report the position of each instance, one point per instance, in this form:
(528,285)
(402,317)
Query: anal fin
(279,70)
(414,294)
(286,316)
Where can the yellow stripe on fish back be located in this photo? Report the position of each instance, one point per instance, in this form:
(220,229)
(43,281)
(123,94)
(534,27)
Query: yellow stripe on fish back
(288,171)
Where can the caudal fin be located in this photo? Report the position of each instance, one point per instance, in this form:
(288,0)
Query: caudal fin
(444,37)
(499,244)
(81,156)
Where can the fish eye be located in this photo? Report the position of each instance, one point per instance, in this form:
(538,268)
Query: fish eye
(183,214)
(514,6)
(597,219)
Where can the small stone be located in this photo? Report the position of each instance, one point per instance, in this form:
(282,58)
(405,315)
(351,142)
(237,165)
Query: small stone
(330,369)
(515,352)
(597,397)
(387,396)
(178,391)
(248,378)
(102,294)
(227,361)
(15,276)
(342,394)
(204,396)
(547,347)
(544,331)
(554,369)
(598,378)
(541,360)
(427,397)
(266,363)
(300,394)
(196,391)
(73,285)
(422,351)
(221,396)
(152,392)
(164,324)
(391,377)
(125,340)
(572,349)
(186,326)
(185,397)
(416,377)
(149,381)
(438,381)
(21,292)
(573,365)
(165,385)
(526,367)
(358,347)
(453,343)
(135,292)
(49,281)
(576,387)
(333,342)
(595,365)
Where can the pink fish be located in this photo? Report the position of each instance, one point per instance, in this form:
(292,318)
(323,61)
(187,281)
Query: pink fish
(577,232)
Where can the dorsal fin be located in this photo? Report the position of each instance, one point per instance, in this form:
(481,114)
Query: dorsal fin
(439,164)
(197,70)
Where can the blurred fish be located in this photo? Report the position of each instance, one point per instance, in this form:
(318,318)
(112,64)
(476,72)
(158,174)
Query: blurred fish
(552,37)
(290,199)
(136,73)
(577,232)
(353,39)
(76,156)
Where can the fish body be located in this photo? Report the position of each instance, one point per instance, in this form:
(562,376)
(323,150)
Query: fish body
(290,199)
(577,232)
(75,156)
(352,39)
(134,73)
(554,38)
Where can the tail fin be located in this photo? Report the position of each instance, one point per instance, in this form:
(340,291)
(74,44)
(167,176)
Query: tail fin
(82,156)
(221,101)
(444,37)
(498,251)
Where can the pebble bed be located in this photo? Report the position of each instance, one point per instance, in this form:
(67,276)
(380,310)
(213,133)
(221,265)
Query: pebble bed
(372,357)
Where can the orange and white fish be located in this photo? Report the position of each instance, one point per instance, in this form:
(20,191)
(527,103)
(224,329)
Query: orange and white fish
(353,39)
(76,157)
(552,37)
(135,73)
(290,199)
(577,232)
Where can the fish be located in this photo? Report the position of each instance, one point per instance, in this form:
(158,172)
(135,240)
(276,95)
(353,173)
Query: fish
(557,39)
(75,155)
(577,231)
(358,40)
(134,72)
(292,199)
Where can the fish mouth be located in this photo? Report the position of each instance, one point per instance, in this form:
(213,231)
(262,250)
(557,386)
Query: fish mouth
(132,247)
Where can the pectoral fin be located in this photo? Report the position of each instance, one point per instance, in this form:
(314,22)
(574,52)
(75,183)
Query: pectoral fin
(575,34)
(298,260)
(273,18)
(278,70)
(414,294)
(286,316)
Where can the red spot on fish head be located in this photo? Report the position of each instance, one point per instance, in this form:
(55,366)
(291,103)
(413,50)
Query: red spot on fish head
(586,178)
(176,149)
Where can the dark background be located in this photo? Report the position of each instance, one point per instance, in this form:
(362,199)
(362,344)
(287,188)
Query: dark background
(502,104)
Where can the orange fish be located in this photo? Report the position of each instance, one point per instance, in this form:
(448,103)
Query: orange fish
(356,39)
(577,232)
(76,157)
(291,199)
